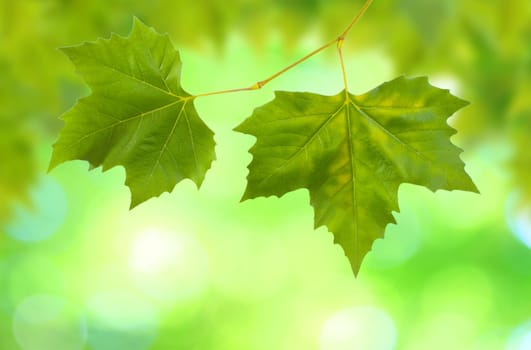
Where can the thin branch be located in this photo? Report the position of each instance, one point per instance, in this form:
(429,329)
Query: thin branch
(314,52)
(260,84)
(339,41)
(356,18)
(225,91)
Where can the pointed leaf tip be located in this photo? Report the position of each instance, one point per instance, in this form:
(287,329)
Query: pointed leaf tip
(138,23)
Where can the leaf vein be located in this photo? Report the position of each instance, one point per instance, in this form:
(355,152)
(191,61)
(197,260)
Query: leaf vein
(304,145)
(97,131)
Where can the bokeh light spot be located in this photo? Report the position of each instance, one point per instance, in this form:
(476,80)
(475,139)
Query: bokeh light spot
(434,331)
(34,275)
(519,219)
(153,250)
(120,321)
(362,327)
(460,289)
(401,242)
(520,338)
(168,265)
(43,217)
(46,322)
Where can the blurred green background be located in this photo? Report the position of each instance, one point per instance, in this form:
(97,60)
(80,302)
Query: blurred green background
(196,269)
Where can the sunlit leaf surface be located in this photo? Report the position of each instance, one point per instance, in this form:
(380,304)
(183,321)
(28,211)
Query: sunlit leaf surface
(352,152)
(138,115)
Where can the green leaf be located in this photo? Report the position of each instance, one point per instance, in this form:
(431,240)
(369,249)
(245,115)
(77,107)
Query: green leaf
(352,152)
(138,115)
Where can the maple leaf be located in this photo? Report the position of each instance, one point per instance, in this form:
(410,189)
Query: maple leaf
(138,115)
(352,153)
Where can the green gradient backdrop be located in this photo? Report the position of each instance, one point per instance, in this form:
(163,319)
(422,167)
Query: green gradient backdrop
(198,270)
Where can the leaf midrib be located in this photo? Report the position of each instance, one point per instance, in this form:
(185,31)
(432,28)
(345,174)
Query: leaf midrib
(389,133)
(128,119)
(306,143)
(144,82)
(351,153)
(166,142)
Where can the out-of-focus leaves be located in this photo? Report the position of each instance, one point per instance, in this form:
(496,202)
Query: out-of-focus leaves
(521,166)
(520,132)
(17,169)
(17,165)
(483,45)
(353,152)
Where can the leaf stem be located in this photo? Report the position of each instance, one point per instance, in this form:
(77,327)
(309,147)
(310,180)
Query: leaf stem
(282,71)
(223,92)
(340,52)
(338,40)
